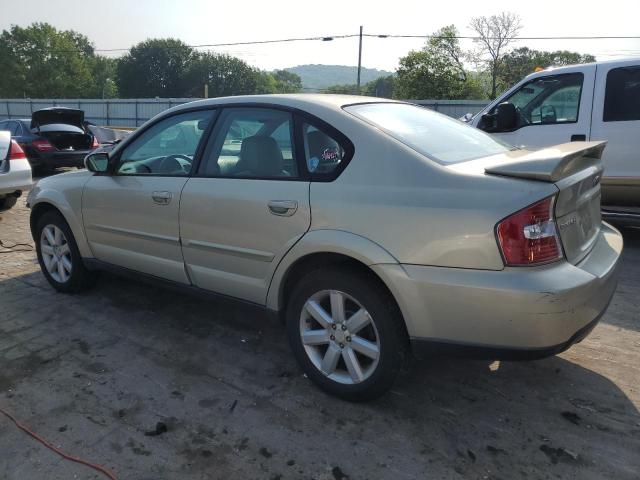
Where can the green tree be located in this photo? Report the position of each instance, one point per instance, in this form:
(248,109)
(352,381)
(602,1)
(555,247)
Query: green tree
(495,34)
(104,74)
(156,68)
(41,62)
(265,83)
(381,87)
(287,82)
(225,75)
(437,71)
(520,62)
(349,89)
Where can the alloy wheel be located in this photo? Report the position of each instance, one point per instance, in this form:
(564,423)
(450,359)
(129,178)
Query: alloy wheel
(56,253)
(339,336)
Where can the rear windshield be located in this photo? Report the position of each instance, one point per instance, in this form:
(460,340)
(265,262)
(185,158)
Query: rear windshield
(437,136)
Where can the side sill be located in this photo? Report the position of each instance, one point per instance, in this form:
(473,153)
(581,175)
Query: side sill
(99,265)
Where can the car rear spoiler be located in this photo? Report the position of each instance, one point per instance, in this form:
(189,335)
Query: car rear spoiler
(553,163)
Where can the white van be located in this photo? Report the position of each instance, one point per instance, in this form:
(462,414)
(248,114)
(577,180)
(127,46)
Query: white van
(594,101)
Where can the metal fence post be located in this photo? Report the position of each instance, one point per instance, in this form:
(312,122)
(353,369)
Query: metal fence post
(108,119)
(137,120)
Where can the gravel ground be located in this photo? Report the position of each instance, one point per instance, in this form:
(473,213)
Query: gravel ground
(95,374)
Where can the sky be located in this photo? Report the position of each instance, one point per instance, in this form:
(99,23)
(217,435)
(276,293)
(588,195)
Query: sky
(121,23)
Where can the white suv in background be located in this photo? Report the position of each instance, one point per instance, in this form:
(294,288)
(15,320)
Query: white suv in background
(594,101)
(15,171)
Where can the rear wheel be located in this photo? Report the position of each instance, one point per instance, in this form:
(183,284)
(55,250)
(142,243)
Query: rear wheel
(346,333)
(58,255)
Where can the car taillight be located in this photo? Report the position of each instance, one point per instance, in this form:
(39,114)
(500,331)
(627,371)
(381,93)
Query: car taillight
(95,143)
(43,145)
(16,152)
(529,236)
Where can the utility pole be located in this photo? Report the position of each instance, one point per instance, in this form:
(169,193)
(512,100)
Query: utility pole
(359,61)
(206,90)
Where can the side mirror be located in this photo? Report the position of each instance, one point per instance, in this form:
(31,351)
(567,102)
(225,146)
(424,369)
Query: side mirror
(97,162)
(506,117)
(466,118)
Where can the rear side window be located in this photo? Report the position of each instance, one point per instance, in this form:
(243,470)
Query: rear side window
(323,153)
(622,95)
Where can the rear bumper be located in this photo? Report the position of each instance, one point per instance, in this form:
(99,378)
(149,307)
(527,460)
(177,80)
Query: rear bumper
(423,348)
(17,178)
(514,312)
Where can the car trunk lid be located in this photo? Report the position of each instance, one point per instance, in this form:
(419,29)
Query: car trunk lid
(57,115)
(576,170)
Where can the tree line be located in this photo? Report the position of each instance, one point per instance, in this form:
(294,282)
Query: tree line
(40,61)
(440,69)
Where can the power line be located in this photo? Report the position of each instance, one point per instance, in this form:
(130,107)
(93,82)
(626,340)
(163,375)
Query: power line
(472,37)
(372,35)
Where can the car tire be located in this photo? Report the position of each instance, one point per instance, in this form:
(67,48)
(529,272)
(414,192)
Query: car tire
(7,202)
(383,328)
(58,255)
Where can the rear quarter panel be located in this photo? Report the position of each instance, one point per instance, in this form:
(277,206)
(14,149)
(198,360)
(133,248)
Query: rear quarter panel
(419,211)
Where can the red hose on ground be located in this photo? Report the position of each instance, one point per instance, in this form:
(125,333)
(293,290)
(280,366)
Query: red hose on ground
(64,455)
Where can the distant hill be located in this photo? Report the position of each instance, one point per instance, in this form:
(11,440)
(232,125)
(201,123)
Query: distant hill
(318,77)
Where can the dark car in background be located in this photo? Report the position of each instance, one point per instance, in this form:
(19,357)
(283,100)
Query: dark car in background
(53,137)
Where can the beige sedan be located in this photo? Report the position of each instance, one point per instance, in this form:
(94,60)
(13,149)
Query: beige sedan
(373,228)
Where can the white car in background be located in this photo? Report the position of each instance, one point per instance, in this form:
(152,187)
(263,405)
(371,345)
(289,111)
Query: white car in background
(594,101)
(15,171)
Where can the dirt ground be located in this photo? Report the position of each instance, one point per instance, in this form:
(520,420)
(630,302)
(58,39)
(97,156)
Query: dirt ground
(95,373)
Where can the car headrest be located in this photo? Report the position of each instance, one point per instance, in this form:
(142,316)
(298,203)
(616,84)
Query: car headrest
(260,156)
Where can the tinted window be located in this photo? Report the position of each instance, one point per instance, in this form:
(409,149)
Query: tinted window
(167,148)
(252,143)
(549,99)
(622,95)
(436,136)
(323,153)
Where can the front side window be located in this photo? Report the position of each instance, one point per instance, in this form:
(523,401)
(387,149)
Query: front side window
(167,148)
(548,100)
(252,143)
(622,95)
(436,136)
(323,153)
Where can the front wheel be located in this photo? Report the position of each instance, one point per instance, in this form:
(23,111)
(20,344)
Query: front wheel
(346,333)
(58,255)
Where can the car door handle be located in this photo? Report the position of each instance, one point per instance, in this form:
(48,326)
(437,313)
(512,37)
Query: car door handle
(162,198)
(284,208)
(578,138)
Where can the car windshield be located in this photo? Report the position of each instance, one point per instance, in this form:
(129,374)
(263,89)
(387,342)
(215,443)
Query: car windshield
(436,136)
